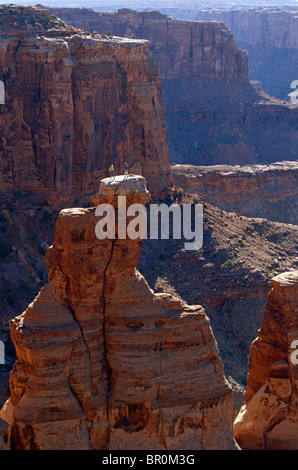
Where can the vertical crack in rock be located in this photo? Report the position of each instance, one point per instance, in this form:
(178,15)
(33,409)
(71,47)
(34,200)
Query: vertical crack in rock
(72,311)
(275,421)
(104,321)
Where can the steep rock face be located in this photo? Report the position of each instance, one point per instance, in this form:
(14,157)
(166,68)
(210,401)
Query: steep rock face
(180,48)
(231,122)
(269,26)
(103,362)
(75,104)
(270,35)
(269,417)
(206,89)
(267,191)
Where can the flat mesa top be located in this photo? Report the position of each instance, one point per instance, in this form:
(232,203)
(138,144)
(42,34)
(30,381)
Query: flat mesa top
(287,279)
(124,183)
(134,187)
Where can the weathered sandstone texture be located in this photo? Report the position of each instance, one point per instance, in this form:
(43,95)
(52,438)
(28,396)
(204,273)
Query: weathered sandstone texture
(270,36)
(75,104)
(103,362)
(267,191)
(214,115)
(269,418)
(181,49)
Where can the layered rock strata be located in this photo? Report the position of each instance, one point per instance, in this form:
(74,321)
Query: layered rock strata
(269,26)
(103,362)
(270,37)
(267,191)
(180,48)
(269,418)
(206,89)
(75,103)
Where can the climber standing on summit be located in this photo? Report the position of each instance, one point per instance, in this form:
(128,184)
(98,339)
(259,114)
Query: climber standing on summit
(111,170)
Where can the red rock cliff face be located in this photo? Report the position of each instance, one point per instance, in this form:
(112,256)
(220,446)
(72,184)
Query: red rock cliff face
(269,417)
(180,48)
(103,362)
(214,115)
(270,36)
(258,26)
(267,191)
(75,104)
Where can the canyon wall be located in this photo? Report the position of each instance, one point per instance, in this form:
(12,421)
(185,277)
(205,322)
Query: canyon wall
(214,115)
(269,418)
(270,36)
(180,48)
(267,191)
(75,104)
(103,362)
(269,26)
